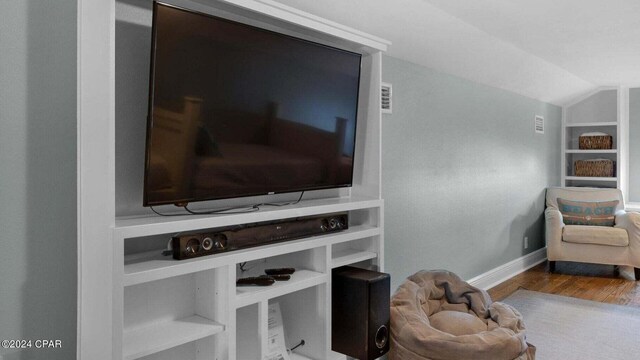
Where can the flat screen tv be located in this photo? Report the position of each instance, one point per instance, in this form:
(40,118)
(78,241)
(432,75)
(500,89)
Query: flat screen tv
(236,110)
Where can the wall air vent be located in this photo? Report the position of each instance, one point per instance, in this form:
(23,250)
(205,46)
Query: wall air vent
(539,124)
(386,98)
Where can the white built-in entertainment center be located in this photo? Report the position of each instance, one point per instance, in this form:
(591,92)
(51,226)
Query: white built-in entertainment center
(135,303)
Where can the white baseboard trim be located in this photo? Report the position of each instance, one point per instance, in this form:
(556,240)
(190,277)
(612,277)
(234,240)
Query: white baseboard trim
(504,272)
(630,207)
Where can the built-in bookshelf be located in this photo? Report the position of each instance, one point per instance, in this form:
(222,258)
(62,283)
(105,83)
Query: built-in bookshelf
(598,112)
(135,303)
(162,304)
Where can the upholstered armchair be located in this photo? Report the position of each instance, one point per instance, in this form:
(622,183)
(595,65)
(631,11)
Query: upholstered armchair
(617,243)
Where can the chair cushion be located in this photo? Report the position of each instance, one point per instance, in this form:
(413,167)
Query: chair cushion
(457,323)
(599,213)
(598,235)
(583,194)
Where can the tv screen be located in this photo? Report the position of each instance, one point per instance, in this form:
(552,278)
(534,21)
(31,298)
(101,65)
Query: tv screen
(236,110)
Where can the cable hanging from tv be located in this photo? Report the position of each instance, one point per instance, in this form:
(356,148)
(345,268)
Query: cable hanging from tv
(230,210)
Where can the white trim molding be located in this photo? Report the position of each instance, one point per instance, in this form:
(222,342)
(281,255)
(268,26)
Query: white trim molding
(623,141)
(506,271)
(632,207)
(96,176)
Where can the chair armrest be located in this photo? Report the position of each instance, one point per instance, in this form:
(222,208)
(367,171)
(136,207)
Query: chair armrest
(553,225)
(553,233)
(629,221)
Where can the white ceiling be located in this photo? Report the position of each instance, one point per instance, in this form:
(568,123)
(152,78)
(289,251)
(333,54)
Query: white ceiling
(598,40)
(551,50)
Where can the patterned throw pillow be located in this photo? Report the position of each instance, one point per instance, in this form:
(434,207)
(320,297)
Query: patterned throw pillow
(599,213)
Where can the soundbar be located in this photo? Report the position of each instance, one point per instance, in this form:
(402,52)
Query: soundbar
(186,246)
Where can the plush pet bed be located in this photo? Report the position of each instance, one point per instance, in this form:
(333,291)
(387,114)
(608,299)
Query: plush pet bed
(436,315)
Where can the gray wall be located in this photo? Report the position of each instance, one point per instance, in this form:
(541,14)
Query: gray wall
(38,175)
(634,145)
(600,107)
(464,173)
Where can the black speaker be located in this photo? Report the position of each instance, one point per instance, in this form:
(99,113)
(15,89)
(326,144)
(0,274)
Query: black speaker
(360,312)
(190,245)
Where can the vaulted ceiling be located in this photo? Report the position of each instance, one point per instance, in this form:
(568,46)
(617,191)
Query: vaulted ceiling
(551,50)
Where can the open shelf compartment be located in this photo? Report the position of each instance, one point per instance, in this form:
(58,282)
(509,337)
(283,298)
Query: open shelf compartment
(310,266)
(152,265)
(153,339)
(302,320)
(248,332)
(165,314)
(351,256)
(573,135)
(300,280)
(573,157)
(591,182)
(354,251)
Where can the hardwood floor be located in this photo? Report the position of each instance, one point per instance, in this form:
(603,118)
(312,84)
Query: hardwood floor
(585,281)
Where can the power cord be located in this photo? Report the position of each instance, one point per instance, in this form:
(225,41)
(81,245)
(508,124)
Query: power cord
(161,214)
(242,266)
(282,204)
(230,210)
(301,343)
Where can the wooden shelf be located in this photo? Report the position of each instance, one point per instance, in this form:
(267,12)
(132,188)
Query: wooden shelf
(154,338)
(301,279)
(593,124)
(576,151)
(156,225)
(351,256)
(151,266)
(588,178)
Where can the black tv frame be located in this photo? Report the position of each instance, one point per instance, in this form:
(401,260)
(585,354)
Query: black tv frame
(149,127)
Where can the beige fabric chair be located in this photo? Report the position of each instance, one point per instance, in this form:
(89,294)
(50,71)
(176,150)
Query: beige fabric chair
(618,245)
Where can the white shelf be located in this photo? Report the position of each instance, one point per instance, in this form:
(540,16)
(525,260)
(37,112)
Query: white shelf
(351,256)
(151,339)
(576,151)
(589,178)
(338,356)
(593,124)
(151,266)
(295,356)
(598,110)
(156,225)
(301,279)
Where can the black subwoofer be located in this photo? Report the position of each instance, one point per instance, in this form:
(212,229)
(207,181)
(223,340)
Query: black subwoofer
(360,312)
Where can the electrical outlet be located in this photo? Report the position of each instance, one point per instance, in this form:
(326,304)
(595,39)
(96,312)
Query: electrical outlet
(526,242)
